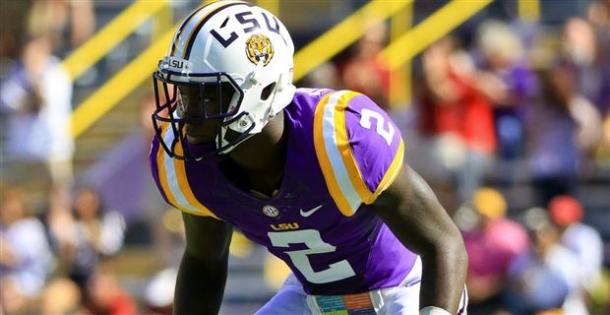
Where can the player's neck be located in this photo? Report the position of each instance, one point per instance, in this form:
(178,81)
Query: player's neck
(260,159)
(264,152)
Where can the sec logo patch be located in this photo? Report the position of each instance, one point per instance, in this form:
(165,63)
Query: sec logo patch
(271,211)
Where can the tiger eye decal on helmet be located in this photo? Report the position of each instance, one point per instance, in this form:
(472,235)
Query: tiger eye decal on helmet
(259,49)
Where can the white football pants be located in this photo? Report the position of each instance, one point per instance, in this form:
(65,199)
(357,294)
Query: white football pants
(400,300)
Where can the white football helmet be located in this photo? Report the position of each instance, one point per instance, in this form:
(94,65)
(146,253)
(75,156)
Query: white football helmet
(232,47)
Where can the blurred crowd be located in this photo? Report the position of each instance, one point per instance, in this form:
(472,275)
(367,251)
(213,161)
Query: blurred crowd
(508,121)
(52,246)
(544,261)
(52,264)
(519,110)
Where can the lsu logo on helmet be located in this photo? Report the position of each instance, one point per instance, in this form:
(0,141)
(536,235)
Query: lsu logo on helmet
(259,49)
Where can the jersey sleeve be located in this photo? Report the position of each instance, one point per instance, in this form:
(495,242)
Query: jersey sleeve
(359,148)
(170,177)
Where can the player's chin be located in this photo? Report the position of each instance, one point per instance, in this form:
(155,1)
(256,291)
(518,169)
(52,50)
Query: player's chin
(200,138)
(200,134)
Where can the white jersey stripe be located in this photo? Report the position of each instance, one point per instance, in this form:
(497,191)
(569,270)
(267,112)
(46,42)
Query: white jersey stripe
(172,179)
(334,156)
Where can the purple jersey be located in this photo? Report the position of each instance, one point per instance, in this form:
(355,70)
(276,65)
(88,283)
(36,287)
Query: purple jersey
(342,152)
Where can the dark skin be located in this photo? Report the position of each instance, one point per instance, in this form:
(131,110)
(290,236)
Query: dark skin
(408,207)
(412,212)
(203,270)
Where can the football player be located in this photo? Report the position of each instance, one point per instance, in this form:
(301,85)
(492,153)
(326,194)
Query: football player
(315,176)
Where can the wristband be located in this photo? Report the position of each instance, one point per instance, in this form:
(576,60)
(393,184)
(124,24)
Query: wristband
(433,310)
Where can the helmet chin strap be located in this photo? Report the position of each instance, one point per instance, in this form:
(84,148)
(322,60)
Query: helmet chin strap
(229,148)
(278,100)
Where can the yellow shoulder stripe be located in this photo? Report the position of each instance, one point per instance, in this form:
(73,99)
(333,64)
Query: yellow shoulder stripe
(393,170)
(342,142)
(162,173)
(341,172)
(172,175)
(324,160)
(185,187)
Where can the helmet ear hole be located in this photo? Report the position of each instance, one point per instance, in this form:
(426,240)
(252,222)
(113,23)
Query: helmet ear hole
(267,91)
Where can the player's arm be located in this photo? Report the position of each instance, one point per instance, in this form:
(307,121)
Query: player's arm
(411,210)
(203,270)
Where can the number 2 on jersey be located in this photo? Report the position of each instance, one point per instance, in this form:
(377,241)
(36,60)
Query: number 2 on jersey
(315,245)
(387,132)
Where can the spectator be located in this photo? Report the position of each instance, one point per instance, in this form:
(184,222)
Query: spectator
(106,295)
(364,72)
(543,278)
(61,296)
(37,96)
(579,50)
(598,15)
(491,245)
(508,82)
(584,241)
(25,258)
(555,154)
(60,225)
(99,233)
(71,23)
(456,116)
(579,54)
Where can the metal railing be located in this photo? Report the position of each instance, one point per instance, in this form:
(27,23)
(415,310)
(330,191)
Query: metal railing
(440,23)
(111,35)
(397,54)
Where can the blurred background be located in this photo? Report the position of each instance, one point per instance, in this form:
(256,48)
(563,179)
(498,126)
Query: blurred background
(504,106)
